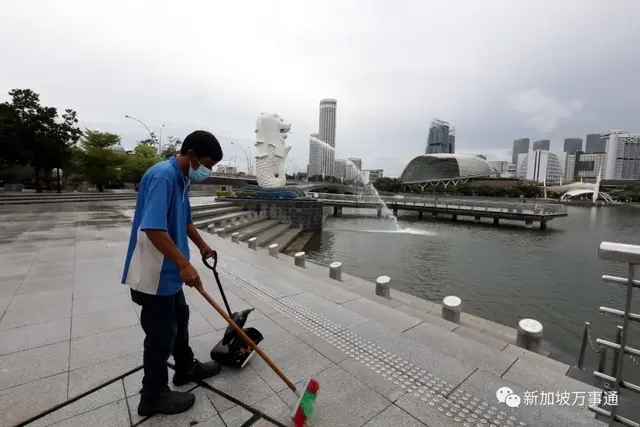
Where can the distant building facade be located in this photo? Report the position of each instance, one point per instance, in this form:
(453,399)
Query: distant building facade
(374,174)
(341,169)
(540,165)
(520,146)
(542,144)
(315,166)
(439,140)
(623,156)
(595,144)
(500,166)
(584,166)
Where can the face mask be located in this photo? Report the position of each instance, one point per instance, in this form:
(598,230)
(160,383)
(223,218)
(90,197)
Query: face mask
(199,174)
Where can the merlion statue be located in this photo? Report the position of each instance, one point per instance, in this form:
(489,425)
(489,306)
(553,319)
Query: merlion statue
(271,132)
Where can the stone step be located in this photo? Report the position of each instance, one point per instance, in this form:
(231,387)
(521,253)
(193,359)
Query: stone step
(254,218)
(402,353)
(225,219)
(254,229)
(287,237)
(206,206)
(266,237)
(213,210)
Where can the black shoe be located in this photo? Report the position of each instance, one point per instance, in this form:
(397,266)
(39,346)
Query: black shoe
(170,402)
(199,371)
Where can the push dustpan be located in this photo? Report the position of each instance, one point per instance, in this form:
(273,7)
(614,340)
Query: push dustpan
(232,350)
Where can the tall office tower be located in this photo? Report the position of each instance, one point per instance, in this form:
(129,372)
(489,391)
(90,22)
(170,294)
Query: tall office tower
(357,162)
(595,144)
(341,169)
(327,132)
(438,140)
(542,144)
(571,147)
(452,140)
(315,156)
(520,146)
(623,155)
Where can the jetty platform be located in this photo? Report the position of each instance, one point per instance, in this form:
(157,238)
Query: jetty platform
(67,325)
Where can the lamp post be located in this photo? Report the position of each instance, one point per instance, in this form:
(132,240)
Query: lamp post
(246,155)
(150,133)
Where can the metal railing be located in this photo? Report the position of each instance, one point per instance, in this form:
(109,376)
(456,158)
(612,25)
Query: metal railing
(630,255)
(449,203)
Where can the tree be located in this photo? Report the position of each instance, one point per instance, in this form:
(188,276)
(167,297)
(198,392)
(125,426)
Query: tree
(391,185)
(171,148)
(136,164)
(32,134)
(99,163)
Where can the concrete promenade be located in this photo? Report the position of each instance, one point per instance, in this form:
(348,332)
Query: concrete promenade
(67,325)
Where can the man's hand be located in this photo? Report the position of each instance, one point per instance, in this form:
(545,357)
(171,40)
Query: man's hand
(190,276)
(206,251)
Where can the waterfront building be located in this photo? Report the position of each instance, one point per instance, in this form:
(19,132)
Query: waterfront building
(315,156)
(327,133)
(357,162)
(542,144)
(571,147)
(341,169)
(595,144)
(540,166)
(443,167)
(584,166)
(439,140)
(512,170)
(520,146)
(622,156)
(374,174)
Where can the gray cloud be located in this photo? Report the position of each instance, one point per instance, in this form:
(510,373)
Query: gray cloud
(498,70)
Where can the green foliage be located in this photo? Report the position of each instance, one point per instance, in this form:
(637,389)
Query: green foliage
(35,135)
(224,193)
(171,148)
(98,162)
(391,185)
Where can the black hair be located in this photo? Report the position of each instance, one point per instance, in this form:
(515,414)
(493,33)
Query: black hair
(204,144)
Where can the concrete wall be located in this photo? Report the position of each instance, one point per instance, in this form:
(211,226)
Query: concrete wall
(305,214)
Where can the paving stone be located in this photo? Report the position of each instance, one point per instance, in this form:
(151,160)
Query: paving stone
(329,351)
(39,299)
(430,411)
(109,394)
(484,385)
(47,313)
(112,287)
(536,359)
(201,410)
(431,318)
(34,364)
(469,352)
(214,421)
(245,385)
(82,306)
(338,314)
(20,403)
(104,321)
(373,379)
(291,326)
(236,416)
(8,288)
(389,317)
(40,334)
(112,415)
(133,383)
(105,346)
(394,416)
(417,303)
(295,358)
(83,379)
(480,337)
(342,400)
(275,408)
(42,284)
(4,303)
(274,334)
(263,307)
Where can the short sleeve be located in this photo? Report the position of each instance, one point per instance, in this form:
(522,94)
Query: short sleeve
(188,209)
(156,204)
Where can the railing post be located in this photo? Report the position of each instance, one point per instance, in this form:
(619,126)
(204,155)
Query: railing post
(335,271)
(614,364)
(583,345)
(253,243)
(298,259)
(451,308)
(235,237)
(382,286)
(529,335)
(273,250)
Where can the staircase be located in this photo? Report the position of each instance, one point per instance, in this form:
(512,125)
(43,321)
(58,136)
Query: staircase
(224,219)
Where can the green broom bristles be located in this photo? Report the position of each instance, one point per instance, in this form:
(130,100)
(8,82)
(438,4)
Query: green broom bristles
(306,404)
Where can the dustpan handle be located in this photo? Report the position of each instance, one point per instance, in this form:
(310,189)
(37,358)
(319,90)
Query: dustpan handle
(248,340)
(215,274)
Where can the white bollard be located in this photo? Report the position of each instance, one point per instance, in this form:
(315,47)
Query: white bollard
(253,243)
(273,250)
(335,271)
(451,308)
(235,237)
(530,335)
(298,259)
(382,286)
(220,232)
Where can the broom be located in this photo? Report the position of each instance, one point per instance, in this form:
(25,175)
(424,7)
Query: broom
(306,400)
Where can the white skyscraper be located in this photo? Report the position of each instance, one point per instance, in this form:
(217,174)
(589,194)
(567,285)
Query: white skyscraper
(315,156)
(327,133)
(623,155)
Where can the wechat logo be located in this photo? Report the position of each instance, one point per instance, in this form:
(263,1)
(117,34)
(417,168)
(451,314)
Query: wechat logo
(507,396)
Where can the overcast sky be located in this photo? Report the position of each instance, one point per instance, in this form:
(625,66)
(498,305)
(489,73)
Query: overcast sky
(496,69)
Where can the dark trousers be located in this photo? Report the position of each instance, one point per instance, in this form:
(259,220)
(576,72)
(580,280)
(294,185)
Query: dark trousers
(165,321)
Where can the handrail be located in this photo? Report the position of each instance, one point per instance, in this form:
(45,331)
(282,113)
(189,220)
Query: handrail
(629,254)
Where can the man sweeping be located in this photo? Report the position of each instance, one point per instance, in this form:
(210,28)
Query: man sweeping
(156,267)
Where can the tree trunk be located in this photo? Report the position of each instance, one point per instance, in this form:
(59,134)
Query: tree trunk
(38,189)
(58,179)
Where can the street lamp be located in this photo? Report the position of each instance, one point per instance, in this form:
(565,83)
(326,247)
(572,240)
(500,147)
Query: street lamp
(246,155)
(153,139)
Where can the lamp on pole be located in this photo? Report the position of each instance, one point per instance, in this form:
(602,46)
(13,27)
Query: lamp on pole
(148,130)
(246,155)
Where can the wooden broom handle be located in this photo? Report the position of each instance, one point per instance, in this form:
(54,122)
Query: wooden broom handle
(248,340)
